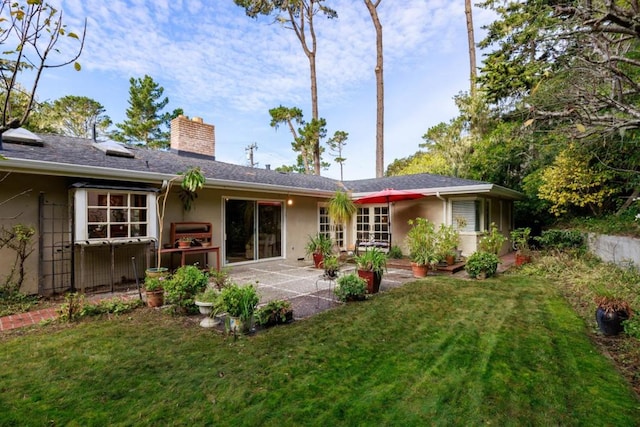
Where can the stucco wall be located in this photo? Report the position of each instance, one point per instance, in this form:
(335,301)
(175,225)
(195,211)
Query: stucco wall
(24,210)
(300,218)
(617,249)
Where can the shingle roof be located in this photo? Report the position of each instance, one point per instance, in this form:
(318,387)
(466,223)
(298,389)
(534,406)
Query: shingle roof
(79,151)
(408,182)
(72,152)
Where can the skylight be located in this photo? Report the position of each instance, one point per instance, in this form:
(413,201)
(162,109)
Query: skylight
(112,148)
(22,136)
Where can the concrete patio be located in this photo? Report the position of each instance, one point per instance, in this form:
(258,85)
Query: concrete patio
(302,284)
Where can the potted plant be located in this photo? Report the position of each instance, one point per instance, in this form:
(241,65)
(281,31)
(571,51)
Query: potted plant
(350,287)
(274,312)
(318,247)
(421,240)
(447,243)
(371,265)
(331,266)
(184,242)
(209,302)
(240,304)
(520,240)
(154,288)
(185,284)
(481,264)
(610,313)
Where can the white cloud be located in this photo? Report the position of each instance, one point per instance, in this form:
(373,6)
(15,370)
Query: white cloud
(216,62)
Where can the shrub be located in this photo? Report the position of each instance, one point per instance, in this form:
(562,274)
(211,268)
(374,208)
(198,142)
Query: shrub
(183,286)
(240,301)
(273,312)
(481,261)
(395,252)
(492,240)
(114,306)
(561,240)
(350,287)
(220,278)
(70,310)
(16,302)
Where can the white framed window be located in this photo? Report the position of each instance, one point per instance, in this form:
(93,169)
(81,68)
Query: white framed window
(329,228)
(102,214)
(372,223)
(471,215)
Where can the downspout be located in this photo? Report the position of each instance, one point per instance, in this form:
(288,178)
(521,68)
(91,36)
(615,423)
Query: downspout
(444,207)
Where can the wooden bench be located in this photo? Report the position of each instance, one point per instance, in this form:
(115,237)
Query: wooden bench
(200,234)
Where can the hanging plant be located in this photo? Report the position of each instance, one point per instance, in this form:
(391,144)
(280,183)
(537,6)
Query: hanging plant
(192,181)
(341,207)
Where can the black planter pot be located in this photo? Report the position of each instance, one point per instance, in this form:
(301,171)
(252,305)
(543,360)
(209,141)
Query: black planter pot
(610,323)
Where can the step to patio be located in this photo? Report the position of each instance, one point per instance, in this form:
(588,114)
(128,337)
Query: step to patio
(405,264)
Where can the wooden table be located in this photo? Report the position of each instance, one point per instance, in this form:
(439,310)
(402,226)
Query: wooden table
(193,250)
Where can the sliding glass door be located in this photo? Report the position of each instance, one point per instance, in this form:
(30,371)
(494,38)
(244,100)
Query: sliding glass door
(253,230)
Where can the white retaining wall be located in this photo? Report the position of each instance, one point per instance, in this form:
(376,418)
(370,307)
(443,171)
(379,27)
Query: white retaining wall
(617,249)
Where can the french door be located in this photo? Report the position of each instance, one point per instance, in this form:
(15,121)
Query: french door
(253,230)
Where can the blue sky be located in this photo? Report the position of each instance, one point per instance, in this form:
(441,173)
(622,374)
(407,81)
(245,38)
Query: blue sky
(216,63)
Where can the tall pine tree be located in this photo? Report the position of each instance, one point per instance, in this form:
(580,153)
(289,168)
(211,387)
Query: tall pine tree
(145,120)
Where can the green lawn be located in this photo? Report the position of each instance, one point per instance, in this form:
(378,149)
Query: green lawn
(505,351)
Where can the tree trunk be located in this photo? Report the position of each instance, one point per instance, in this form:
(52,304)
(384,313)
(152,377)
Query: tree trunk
(379,71)
(306,14)
(472,46)
(629,201)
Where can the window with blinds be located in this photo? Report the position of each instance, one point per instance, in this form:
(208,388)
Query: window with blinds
(466,215)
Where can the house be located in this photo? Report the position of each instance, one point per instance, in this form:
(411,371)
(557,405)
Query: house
(93,205)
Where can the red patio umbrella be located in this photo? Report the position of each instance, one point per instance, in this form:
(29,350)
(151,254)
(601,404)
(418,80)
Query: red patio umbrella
(387,196)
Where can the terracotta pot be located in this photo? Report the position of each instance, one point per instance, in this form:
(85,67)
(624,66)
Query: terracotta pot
(184,245)
(451,259)
(522,259)
(419,270)
(317,259)
(155,298)
(373,280)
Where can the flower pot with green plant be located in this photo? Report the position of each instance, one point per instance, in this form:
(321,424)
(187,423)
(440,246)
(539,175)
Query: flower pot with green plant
(240,304)
(520,241)
(331,266)
(185,284)
(447,243)
(274,312)
(371,265)
(210,303)
(611,311)
(421,240)
(350,287)
(184,242)
(318,246)
(481,264)
(154,289)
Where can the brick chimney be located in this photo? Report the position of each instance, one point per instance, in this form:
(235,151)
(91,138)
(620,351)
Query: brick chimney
(193,137)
